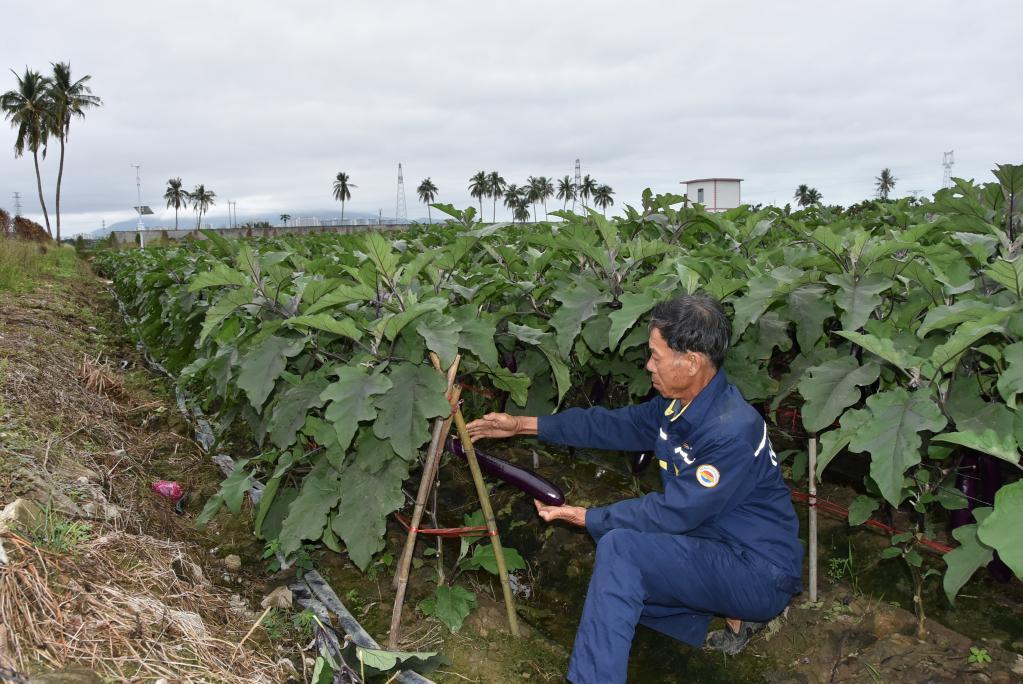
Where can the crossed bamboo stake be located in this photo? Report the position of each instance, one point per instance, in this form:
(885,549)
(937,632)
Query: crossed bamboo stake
(441,427)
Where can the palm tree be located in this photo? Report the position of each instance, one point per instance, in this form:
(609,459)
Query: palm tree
(496,185)
(285,218)
(479,188)
(884,183)
(70,99)
(532,188)
(602,197)
(202,200)
(546,191)
(566,191)
(806,196)
(30,110)
(588,187)
(520,211)
(427,193)
(176,197)
(342,190)
(512,197)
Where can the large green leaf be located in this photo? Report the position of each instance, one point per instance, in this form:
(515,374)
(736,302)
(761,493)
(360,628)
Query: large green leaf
(381,252)
(516,384)
(393,324)
(284,463)
(418,394)
(352,398)
(858,297)
(450,605)
(341,295)
(220,276)
(224,307)
(633,307)
(366,501)
(1010,381)
(1002,530)
(1008,273)
(833,441)
(832,387)
(892,436)
(945,316)
(964,337)
(578,304)
(885,348)
(964,560)
(290,409)
(263,364)
(441,334)
(307,515)
(345,327)
(753,303)
(477,335)
(809,307)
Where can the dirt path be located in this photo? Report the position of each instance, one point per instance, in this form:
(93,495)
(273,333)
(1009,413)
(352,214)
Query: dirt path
(103,578)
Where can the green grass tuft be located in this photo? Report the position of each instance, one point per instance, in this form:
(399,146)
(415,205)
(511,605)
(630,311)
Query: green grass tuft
(22,262)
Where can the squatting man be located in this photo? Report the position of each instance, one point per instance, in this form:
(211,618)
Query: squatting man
(721,539)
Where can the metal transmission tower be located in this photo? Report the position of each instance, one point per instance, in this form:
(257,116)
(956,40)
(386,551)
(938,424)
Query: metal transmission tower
(17,204)
(947,160)
(578,182)
(400,210)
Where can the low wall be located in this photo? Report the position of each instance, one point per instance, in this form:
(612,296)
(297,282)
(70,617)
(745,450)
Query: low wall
(130,236)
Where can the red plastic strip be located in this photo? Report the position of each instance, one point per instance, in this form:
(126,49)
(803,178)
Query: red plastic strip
(448,532)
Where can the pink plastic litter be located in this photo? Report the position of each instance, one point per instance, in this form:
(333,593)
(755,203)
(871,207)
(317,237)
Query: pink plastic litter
(168,489)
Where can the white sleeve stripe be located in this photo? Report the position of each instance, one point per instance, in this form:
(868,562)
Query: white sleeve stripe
(763,441)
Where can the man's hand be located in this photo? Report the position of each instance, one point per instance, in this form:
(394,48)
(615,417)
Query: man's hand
(575,515)
(501,425)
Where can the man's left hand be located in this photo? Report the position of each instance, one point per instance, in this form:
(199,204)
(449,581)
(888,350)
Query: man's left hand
(575,515)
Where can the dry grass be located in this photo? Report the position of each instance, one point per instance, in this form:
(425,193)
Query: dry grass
(82,432)
(120,607)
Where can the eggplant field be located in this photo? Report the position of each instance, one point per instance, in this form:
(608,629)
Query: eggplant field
(893,334)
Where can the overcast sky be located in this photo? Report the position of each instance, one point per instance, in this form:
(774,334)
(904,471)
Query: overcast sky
(264,102)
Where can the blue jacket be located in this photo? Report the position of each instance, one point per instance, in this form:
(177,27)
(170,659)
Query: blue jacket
(720,474)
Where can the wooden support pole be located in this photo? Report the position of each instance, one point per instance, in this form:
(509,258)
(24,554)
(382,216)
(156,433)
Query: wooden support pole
(813,519)
(441,427)
(488,514)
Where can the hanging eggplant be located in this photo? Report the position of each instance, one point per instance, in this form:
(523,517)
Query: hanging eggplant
(524,479)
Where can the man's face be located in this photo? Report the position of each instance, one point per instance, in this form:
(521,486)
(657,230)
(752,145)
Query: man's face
(672,373)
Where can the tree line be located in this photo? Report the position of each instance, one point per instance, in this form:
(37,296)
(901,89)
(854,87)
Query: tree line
(41,108)
(522,200)
(200,199)
(805,196)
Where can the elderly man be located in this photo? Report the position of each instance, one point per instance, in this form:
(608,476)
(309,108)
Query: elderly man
(721,539)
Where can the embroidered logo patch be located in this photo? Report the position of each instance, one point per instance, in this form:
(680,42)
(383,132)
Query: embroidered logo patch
(708,476)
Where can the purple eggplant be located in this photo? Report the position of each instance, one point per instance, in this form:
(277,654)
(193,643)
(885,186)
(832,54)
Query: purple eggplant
(529,482)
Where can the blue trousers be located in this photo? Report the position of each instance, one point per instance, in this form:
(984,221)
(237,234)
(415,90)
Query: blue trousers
(672,583)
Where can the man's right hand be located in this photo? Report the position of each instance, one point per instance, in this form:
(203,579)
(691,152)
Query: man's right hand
(501,425)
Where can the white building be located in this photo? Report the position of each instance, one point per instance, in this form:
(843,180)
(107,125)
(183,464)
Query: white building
(715,194)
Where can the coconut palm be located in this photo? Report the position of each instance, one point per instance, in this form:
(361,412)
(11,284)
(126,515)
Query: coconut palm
(30,110)
(513,197)
(587,188)
(479,188)
(566,191)
(884,183)
(427,194)
(546,190)
(202,200)
(70,99)
(496,185)
(806,196)
(176,197)
(285,218)
(533,189)
(520,212)
(602,197)
(342,190)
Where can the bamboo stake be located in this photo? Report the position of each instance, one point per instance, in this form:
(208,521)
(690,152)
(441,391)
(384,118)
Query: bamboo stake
(488,513)
(441,427)
(813,519)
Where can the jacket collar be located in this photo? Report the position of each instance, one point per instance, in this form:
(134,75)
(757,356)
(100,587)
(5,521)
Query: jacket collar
(697,409)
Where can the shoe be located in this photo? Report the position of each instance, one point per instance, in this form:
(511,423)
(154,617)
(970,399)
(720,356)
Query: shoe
(732,643)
